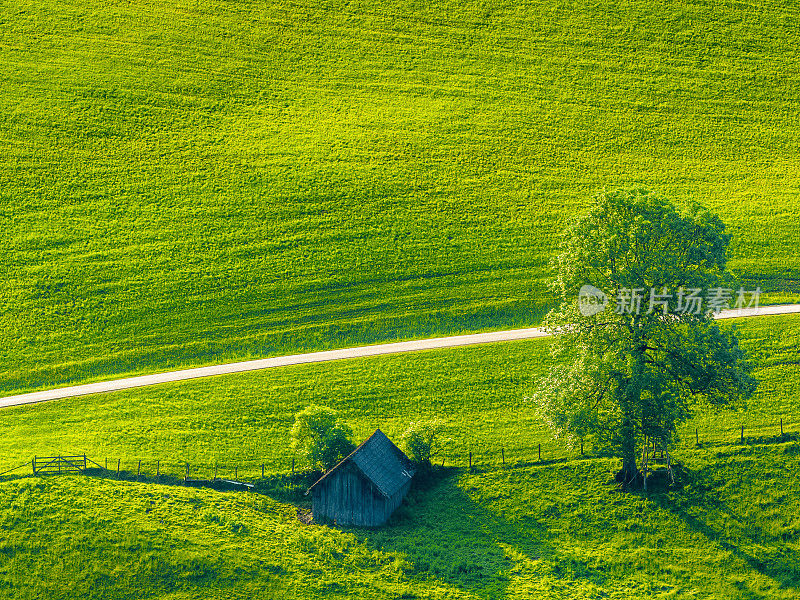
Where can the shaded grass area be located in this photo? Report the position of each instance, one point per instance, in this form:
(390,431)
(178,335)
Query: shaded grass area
(729,530)
(187,183)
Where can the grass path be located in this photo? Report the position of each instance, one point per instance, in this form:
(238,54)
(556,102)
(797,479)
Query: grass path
(314,357)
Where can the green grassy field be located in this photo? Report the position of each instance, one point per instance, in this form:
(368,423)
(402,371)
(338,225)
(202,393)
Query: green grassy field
(244,420)
(555,529)
(552,531)
(188,183)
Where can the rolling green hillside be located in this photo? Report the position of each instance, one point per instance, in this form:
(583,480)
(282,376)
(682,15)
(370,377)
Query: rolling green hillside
(553,529)
(551,532)
(244,420)
(190,182)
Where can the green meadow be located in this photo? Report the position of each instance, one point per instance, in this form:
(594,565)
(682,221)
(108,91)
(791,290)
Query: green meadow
(556,531)
(243,421)
(187,182)
(552,529)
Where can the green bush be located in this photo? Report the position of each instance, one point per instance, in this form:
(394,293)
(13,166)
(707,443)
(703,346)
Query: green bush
(422,440)
(319,436)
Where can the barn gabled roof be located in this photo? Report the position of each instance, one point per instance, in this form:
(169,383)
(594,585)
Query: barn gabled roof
(383,463)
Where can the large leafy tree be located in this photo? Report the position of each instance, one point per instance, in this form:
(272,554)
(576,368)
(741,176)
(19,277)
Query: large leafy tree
(637,349)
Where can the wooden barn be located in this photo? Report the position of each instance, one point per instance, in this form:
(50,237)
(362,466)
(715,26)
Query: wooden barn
(366,487)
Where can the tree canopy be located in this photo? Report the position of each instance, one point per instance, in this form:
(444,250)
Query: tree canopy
(636,344)
(319,436)
(423,440)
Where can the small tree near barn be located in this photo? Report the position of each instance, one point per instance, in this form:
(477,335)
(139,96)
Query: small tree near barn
(320,437)
(423,440)
(632,351)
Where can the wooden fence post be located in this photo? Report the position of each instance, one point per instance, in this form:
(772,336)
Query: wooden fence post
(158,470)
(119,460)
(33,465)
(262,469)
(470,460)
(743,434)
(540,453)
(697,435)
(84,461)
(581,447)
(138,469)
(503,454)
(781,426)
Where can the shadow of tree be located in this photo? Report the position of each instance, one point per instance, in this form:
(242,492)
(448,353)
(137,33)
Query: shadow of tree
(702,507)
(491,532)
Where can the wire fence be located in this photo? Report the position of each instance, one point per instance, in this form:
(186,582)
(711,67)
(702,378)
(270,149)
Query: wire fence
(689,438)
(472,454)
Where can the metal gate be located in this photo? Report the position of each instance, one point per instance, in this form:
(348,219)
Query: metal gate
(43,465)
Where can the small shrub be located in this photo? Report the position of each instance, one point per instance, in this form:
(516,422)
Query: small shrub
(422,440)
(319,436)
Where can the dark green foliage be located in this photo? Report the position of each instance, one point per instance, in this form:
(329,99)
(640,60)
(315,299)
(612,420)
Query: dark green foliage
(320,437)
(424,440)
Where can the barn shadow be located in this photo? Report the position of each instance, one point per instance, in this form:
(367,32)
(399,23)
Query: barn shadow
(448,537)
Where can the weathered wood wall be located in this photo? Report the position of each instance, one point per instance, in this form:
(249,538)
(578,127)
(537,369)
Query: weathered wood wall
(347,497)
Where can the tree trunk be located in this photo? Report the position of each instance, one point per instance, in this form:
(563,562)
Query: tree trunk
(629,475)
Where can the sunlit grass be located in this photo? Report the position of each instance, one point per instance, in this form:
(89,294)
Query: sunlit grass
(560,531)
(189,183)
(480,392)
